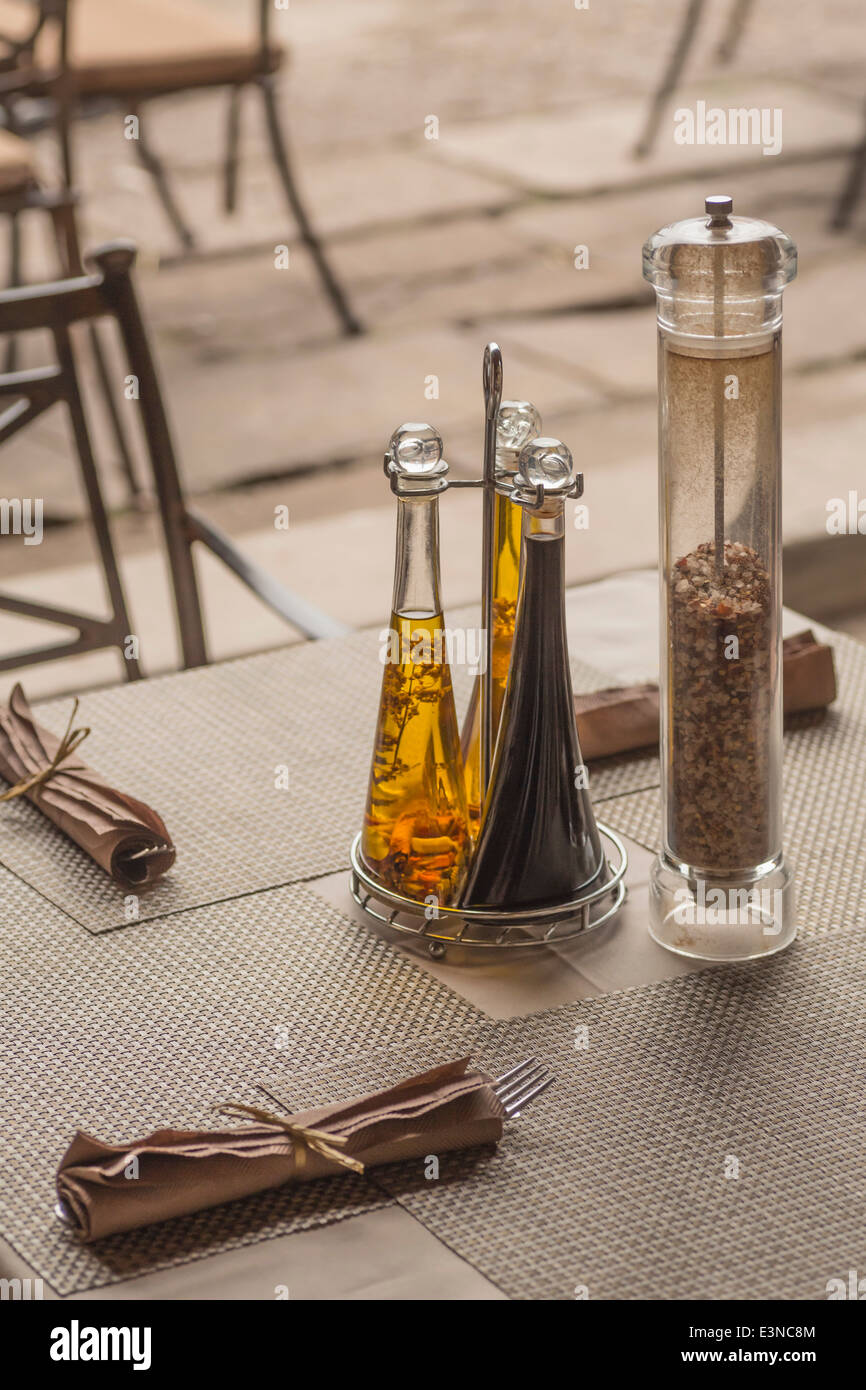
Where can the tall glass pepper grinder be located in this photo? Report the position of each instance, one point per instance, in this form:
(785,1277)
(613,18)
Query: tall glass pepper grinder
(720,889)
(517,423)
(539,843)
(415,838)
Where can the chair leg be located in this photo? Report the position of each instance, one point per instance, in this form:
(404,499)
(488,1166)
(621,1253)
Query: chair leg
(10,355)
(153,164)
(737,17)
(279,151)
(233,131)
(671,77)
(849,196)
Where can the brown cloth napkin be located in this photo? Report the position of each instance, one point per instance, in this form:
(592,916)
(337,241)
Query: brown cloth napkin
(126,838)
(623,718)
(178,1172)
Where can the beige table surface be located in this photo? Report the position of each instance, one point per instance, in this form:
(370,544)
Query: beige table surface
(387,1254)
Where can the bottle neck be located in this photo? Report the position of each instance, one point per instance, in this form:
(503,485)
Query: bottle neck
(547,521)
(416,568)
(506,561)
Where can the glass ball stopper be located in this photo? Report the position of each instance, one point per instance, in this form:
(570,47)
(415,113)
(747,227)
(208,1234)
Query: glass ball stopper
(547,462)
(415,450)
(516,424)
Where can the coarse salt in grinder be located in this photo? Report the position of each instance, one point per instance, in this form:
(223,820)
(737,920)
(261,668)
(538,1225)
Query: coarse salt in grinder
(720,889)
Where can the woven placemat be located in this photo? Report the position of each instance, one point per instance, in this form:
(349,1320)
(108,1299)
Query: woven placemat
(824,803)
(615,1180)
(705,1138)
(637,815)
(205,749)
(132,1031)
(625,774)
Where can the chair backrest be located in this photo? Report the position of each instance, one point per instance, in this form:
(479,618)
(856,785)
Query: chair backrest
(55,308)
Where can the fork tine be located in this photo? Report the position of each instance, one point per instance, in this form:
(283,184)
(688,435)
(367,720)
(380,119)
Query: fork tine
(514,1113)
(529,1079)
(509,1074)
(518,1082)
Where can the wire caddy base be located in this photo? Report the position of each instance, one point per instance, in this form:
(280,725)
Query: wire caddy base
(552,924)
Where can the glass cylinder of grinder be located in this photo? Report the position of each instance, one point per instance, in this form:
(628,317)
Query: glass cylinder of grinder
(415,838)
(720,889)
(517,423)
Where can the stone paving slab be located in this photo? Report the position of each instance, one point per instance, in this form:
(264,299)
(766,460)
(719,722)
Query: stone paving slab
(542,283)
(824,445)
(502,56)
(209,307)
(615,353)
(591,148)
(821,317)
(373,187)
(796,197)
(430,250)
(340,402)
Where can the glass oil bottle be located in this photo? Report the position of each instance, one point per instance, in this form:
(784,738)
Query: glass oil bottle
(517,423)
(416,838)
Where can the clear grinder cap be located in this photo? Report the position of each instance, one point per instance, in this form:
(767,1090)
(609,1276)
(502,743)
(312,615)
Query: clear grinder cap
(719,276)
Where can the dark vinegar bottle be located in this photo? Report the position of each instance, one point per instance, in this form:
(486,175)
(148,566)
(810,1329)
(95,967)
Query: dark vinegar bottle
(538,843)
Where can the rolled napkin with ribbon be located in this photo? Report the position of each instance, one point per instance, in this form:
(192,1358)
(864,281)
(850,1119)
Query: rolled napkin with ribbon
(624,718)
(125,838)
(106,1188)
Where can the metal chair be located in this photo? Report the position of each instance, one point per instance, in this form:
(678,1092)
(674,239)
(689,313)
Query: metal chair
(79,53)
(109,292)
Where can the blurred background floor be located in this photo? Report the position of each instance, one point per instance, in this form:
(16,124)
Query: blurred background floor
(444,243)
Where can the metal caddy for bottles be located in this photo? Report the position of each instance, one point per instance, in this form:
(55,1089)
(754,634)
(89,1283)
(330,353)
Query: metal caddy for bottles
(474,927)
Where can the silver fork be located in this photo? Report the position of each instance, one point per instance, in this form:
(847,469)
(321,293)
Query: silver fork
(519,1087)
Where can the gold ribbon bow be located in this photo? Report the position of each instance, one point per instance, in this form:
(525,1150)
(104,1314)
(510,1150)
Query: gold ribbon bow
(66,747)
(328,1146)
